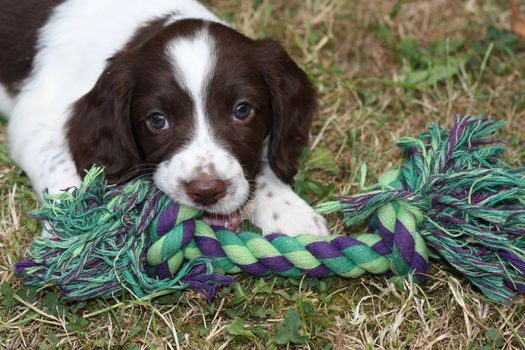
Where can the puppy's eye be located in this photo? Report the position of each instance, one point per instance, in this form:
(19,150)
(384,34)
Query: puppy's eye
(243,111)
(157,122)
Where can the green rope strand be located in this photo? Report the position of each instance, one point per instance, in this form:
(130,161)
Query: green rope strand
(452,195)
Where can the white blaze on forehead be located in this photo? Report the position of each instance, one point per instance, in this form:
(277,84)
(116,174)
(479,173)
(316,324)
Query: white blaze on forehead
(193,59)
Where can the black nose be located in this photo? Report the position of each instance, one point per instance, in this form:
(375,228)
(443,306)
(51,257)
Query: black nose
(206,190)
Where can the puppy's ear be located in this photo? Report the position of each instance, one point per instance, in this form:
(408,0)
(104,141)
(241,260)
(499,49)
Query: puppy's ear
(294,103)
(99,130)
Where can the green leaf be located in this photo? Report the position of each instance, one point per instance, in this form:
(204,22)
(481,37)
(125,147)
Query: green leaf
(307,308)
(53,339)
(502,38)
(442,73)
(76,307)
(288,332)
(314,187)
(292,319)
(409,50)
(319,189)
(102,343)
(282,336)
(298,339)
(204,331)
(304,185)
(283,294)
(234,313)
(8,301)
(236,328)
(262,312)
(135,330)
(28,294)
(395,10)
(51,344)
(258,331)
(493,334)
(322,286)
(430,76)
(323,159)
(239,292)
(303,158)
(262,287)
(76,324)
(50,302)
(445,46)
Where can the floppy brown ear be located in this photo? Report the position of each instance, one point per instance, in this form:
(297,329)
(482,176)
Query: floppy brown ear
(99,130)
(294,104)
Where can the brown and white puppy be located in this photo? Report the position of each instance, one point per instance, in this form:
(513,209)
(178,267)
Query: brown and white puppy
(158,86)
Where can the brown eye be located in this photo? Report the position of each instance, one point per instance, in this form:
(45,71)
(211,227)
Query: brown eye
(243,111)
(157,122)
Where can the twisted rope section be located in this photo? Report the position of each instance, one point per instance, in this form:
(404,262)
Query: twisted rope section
(453,193)
(176,240)
(470,204)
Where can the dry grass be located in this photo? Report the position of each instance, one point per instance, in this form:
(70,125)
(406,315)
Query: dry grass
(361,56)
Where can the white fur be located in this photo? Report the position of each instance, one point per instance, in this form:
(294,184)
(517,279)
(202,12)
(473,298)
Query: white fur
(72,50)
(6,102)
(73,47)
(277,208)
(194,61)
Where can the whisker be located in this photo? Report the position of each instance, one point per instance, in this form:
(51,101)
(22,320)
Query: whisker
(137,171)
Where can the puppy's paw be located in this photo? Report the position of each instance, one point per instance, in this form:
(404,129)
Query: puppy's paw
(287,213)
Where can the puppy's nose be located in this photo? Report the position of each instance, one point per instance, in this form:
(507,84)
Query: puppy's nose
(206,189)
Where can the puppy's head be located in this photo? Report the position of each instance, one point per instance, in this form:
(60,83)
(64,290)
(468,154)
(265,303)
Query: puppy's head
(194,102)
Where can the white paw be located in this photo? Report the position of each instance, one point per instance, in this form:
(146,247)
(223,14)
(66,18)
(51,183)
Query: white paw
(286,212)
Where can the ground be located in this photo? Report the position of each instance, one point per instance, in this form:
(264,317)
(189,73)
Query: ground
(384,69)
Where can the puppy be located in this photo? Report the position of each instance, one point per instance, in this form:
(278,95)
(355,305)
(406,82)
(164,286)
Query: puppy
(161,87)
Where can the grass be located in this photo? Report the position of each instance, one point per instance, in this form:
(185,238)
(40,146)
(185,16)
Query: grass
(384,69)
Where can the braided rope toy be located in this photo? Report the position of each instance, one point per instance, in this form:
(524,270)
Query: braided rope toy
(452,198)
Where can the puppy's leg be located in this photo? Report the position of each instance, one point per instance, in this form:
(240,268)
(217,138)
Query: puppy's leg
(277,208)
(40,148)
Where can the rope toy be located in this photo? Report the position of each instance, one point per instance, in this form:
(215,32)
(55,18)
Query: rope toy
(452,198)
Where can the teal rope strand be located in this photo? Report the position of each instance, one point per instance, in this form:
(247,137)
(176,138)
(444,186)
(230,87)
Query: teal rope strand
(453,195)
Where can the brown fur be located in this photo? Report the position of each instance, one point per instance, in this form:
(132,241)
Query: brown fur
(20,21)
(108,125)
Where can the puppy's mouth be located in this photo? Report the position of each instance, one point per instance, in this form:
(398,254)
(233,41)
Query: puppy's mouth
(231,221)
